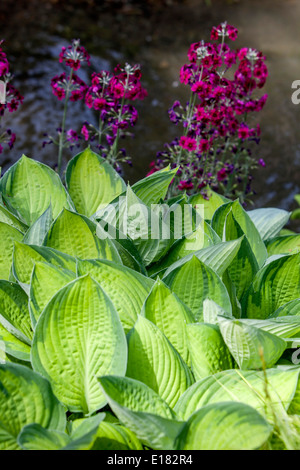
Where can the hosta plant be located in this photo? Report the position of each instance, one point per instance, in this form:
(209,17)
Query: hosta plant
(133,321)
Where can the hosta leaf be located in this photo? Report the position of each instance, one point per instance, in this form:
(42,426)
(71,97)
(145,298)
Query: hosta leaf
(92,182)
(291,308)
(112,436)
(241,386)
(77,337)
(153,360)
(273,286)
(269,221)
(8,236)
(35,437)
(210,205)
(14,314)
(29,187)
(209,353)
(9,219)
(170,314)
(224,426)
(251,347)
(10,344)
(84,434)
(193,282)
(283,327)
(75,235)
(126,288)
(288,244)
(211,310)
(38,231)
(154,188)
(26,398)
(46,280)
(25,256)
(141,410)
(246,224)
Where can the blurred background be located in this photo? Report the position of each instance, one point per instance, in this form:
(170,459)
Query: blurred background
(156,34)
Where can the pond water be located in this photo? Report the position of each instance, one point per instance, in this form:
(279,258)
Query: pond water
(155,34)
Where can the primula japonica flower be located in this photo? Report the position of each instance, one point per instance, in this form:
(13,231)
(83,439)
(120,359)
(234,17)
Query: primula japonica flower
(74,55)
(76,87)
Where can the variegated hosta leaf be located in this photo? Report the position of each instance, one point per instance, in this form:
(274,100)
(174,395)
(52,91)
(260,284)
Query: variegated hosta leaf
(210,205)
(142,411)
(288,244)
(269,221)
(46,280)
(224,426)
(25,256)
(112,436)
(75,235)
(13,346)
(273,286)
(14,314)
(291,308)
(126,288)
(194,282)
(211,310)
(209,353)
(163,308)
(25,398)
(153,360)
(246,224)
(92,182)
(77,338)
(251,347)
(29,187)
(243,386)
(39,229)
(8,236)
(283,327)
(153,188)
(35,437)
(10,219)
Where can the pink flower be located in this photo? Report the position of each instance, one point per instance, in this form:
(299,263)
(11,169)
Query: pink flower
(84,131)
(244,132)
(188,143)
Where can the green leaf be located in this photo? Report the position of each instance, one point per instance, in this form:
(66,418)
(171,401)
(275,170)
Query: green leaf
(288,244)
(246,224)
(26,398)
(92,183)
(38,231)
(224,426)
(273,286)
(14,314)
(29,187)
(46,280)
(211,310)
(251,347)
(83,437)
(75,235)
(241,386)
(153,360)
(269,221)
(291,308)
(209,353)
(210,205)
(11,345)
(35,437)
(163,308)
(8,236)
(154,188)
(283,327)
(8,218)
(68,332)
(193,282)
(112,436)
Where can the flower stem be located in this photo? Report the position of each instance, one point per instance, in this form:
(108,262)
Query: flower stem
(63,125)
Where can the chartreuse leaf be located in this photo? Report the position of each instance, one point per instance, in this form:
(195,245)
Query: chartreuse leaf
(269,221)
(211,310)
(193,282)
(112,436)
(142,411)
(8,236)
(163,308)
(75,235)
(154,188)
(283,327)
(291,308)
(46,280)
(153,360)
(273,286)
(10,344)
(25,256)
(224,426)
(81,332)
(288,244)
(83,435)
(241,386)
(9,219)
(246,224)
(210,202)
(126,288)
(14,314)
(251,347)
(92,183)
(26,398)
(35,437)
(37,232)
(29,187)
(209,353)
(244,266)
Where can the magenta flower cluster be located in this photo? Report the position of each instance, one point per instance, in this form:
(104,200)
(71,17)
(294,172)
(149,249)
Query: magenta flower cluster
(13,99)
(214,148)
